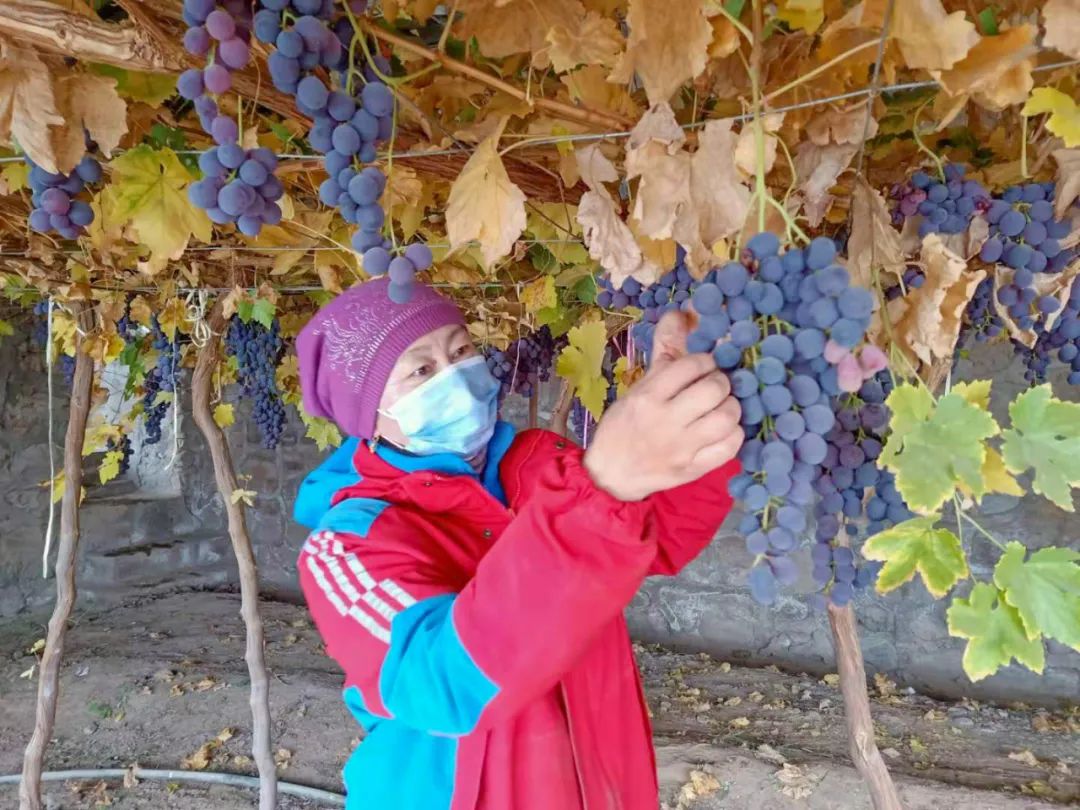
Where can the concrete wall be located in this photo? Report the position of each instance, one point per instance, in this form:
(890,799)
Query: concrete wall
(162,526)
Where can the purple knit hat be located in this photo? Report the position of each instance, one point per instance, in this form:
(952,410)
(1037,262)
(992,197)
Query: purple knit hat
(347,351)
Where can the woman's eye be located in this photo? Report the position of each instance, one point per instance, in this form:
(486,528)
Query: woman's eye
(461,351)
(423,371)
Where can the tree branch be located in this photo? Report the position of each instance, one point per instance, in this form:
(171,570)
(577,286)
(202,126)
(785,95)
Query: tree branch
(583,115)
(52,28)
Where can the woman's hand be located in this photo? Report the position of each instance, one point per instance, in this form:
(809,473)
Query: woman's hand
(677,424)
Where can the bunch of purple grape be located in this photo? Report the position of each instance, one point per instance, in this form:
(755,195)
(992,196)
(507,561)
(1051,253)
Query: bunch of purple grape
(981,319)
(160,379)
(849,471)
(525,363)
(221,33)
(944,206)
(671,292)
(55,208)
(238,185)
(257,351)
(766,321)
(912,279)
(40,336)
(1065,335)
(415,258)
(1025,236)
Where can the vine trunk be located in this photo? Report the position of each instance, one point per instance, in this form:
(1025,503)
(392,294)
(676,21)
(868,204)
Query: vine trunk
(225,475)
(49,677)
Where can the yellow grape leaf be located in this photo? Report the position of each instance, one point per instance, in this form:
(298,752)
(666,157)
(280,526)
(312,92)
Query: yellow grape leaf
(1068,180)
(137,85)
(59,484)
(1045,435)
(977,392)
(37,646)
(929,37)
(805,14)
(88,102)
(625,377)
(485,205)
(997,72)
(935,447)
(173,318)
(324,432)
(539,294)
(149,191)
(589,86)
(6,329)
(996,477)
(224,415)
(140,311)
(580,363)
(99,436)
(16,176)
(1064,117)
(874,244)
(915,546)
(995,633)
(164,397)
(718,199)
(926,321)
(1062,23)
(110,466)
(27,105)
(104,347)
(246,496)
(594,41)
(654,154)
(1044,589)
(505,27)
(668,46)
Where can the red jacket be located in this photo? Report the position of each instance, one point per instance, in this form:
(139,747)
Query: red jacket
(478,620)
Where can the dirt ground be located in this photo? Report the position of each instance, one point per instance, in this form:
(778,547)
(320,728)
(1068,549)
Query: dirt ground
(163,683)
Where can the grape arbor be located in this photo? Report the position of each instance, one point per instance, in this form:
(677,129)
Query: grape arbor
(846,197)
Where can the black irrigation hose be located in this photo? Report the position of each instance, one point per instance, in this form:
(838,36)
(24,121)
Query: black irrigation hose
(206,777)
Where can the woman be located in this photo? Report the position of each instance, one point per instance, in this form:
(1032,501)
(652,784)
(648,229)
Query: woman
(471,582)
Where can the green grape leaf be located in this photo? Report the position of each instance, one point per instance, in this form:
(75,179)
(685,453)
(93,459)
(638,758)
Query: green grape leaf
(1044,589)
(995,634)
(323,431)
(916,546)
(110,466)
(262,311)
(932,448)
(1045,434)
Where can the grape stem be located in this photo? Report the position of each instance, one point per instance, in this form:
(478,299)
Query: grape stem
(961,513)
(731,18)
(919,142)
(1023,147)
(759,124)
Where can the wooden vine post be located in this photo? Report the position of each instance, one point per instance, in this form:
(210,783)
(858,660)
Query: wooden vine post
(202,384)
(49,678)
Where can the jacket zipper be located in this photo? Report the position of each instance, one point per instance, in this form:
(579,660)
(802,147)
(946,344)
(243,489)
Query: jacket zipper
(573,748)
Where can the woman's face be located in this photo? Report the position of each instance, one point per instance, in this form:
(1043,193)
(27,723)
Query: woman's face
(425,358)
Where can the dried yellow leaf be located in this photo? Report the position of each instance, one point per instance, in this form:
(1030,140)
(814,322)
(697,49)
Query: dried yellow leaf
(1062,22)
(668,46)
(485,205)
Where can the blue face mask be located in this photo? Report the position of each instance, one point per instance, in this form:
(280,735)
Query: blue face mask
(453,412)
